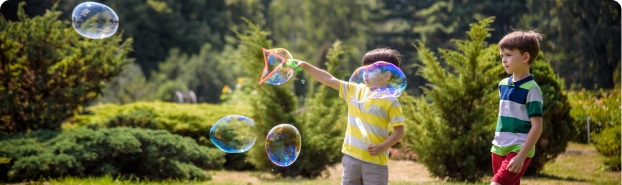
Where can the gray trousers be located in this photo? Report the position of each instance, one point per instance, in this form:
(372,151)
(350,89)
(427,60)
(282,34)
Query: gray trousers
(357,172)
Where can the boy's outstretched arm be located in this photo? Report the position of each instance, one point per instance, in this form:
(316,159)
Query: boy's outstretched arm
(516,164)
(398,133)
(320,75)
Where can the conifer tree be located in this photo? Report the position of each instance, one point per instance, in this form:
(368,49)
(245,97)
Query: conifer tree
(272,105)
(47,70)
(453,121)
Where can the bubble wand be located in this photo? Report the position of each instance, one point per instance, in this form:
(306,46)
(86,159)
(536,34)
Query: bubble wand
(278,65)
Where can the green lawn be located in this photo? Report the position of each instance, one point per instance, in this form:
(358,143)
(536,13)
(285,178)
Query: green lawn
(579,165)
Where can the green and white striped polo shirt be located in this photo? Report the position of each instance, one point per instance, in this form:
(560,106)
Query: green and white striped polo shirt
(519,101)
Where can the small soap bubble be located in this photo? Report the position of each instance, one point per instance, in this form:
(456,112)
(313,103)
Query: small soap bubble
(283,144)
(379,80)
(233,134)
(302,81)
(94,20)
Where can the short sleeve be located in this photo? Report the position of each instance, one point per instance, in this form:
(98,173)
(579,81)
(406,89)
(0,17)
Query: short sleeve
(534,102)
(343,86)
(395,114)
(346,88)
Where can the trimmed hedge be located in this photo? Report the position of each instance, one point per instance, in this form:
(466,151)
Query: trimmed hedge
(190,120)
(128,152)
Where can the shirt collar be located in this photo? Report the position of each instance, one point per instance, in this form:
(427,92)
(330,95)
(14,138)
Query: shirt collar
(520,82)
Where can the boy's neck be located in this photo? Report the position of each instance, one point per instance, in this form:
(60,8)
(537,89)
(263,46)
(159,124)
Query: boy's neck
(378,87)
(520,75)
(380,92)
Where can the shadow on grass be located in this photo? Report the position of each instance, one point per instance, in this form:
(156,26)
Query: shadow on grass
(553,177)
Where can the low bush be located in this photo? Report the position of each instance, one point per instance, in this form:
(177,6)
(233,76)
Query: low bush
(127,152)
(607,143)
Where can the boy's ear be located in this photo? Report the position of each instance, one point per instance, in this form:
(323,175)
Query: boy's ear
(526,57)
(388,74)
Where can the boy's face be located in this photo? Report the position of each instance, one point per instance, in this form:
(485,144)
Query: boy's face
(513,60)
(376,78)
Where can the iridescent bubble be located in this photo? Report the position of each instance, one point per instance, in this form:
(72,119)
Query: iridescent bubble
(275,71)
(94,20)
(233,134)
(379,80)
(283,144)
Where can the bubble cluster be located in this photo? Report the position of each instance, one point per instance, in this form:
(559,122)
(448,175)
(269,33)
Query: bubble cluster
(233,134)
(380,79)
(275,71)
(94,20)
(283,144)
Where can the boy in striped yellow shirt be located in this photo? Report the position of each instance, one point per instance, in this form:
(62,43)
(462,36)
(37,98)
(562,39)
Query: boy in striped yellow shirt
(366,163)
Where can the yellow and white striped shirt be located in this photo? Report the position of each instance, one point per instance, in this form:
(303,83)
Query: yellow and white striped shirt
(376,115)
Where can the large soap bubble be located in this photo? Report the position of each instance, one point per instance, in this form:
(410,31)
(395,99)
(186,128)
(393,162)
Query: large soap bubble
(233,134)
(283,144)
(380,80)
(275,71)
(94,20)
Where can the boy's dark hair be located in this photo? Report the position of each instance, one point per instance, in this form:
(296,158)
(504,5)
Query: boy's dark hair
(382,54)
(524,41)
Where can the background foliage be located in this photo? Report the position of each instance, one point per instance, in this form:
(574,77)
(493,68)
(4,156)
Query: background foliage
(603,109)
(580,36)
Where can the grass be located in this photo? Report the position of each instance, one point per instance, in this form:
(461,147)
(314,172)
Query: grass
(581,164)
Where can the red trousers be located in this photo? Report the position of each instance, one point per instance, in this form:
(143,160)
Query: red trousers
(501,174)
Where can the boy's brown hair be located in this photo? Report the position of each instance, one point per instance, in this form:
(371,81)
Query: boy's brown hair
(524,41)
(382,54)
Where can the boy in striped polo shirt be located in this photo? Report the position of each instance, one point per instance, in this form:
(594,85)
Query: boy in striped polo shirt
(365,163)
(520,109)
